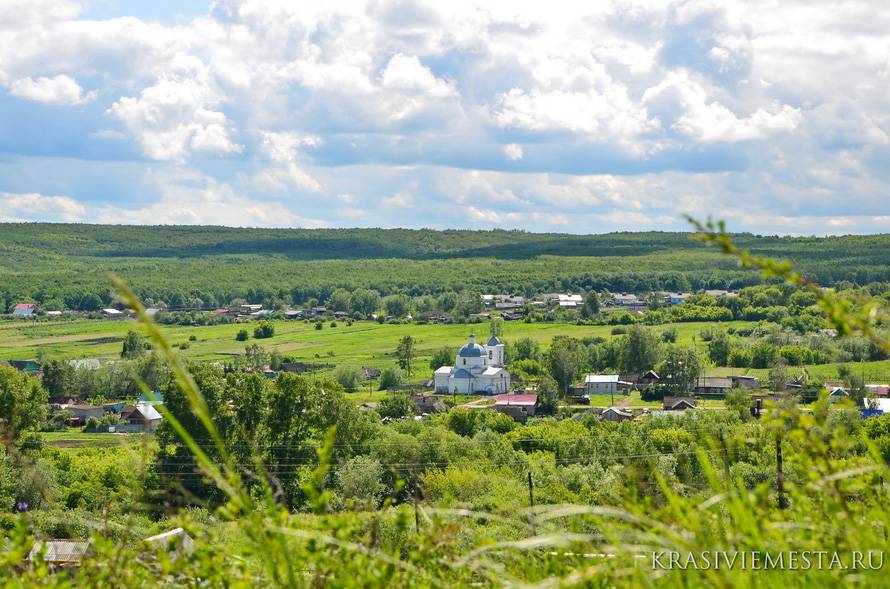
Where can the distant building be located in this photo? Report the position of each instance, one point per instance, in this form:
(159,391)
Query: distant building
(31,367)
(616,414)
(745,381)
(142,417)
(428,404)
(605,384)
(676,298)
(113,313)
(678,403)
(477,369)
(712,385)
(519,407)
(836,394)
(877,390)
(24,310)
(60,553)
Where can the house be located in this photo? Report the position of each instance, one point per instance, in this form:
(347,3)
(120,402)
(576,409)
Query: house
(157,398)
(477,369)
(31,367)
(85,363)
(83,411)
(875,403)
(640,380)
(370,373)
(605,384)
(877,390)
(142,417)
(248,309)
(428,404)
(676,298)
(53,313)
(113,314)
(341,314)
(717,293)
(175,541)
(627,300)
(678,403)
(60,553)
(24,310)
(513,316)
(519,407)
(743,381)
(615,414)
(836,394)
(712,385)
(569,301)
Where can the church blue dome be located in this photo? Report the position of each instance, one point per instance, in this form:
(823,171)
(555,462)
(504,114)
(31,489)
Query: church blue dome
(471,350)
(494,341)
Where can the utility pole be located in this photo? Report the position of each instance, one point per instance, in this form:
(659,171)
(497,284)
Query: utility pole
(780,477)
(531,503)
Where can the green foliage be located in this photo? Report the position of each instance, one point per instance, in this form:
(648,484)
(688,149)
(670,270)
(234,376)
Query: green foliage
(265,329)
(396,406)
(134,345)
(242,335)
(349,377)
(22,404)
(441,357)
(566,360)
(639,350)
(405,353)
(390,377)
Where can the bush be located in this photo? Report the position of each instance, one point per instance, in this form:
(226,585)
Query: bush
(349,377)
(669,336)
(395,406)
(318,325)
(390,377)
(619,330)
(333,324)
(265,329)
(242,336)
(193,338)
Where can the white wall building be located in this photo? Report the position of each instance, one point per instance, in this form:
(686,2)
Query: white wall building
(477,369)
(601,384)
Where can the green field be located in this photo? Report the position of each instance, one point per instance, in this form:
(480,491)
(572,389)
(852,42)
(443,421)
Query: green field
(363,343)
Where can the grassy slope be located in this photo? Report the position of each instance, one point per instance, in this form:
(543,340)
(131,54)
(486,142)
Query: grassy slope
(361,344)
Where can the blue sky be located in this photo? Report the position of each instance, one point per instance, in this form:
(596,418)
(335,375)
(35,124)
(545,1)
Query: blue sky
(620,115)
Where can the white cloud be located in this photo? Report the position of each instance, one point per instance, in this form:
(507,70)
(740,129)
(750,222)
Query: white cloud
(215,203)
(406,73)
(174,117)
(513,151)
(58,90)
(37,207)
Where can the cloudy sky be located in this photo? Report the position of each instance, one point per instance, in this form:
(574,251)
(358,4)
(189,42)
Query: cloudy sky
(562,116)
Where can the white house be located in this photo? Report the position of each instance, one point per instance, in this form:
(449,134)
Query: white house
(604,384)
(24,310)
(477,369)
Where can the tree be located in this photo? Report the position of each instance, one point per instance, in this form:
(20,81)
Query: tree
(397,305)
(548,396)
(364,301)
(565,358)
(441,357)
(265,329)
(360,479)
(405,353)
(639,350)
(763,354)
(390,377)
(256,357)
(242,335)
(591,307)
(778,375)
(719,349)
(739,401)
(524,349)
(349,377)
(22,403)
(395,406)
(680,369)
(496,326)
(339,300)
(134,345)
(58,378)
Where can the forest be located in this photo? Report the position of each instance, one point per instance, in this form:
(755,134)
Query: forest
(63,266)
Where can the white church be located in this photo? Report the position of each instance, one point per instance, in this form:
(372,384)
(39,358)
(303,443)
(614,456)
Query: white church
(477,369)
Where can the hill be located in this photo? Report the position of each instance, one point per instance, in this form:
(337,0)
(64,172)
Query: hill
(62,263)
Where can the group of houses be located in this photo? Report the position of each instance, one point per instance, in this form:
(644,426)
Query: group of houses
(64,554)
(139,417)
(706,386)
(632,302)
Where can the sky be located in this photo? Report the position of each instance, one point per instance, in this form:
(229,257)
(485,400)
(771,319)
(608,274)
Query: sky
(576,117)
